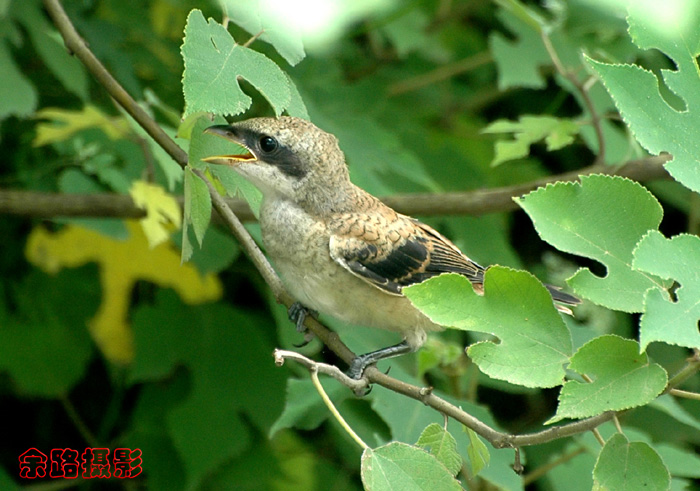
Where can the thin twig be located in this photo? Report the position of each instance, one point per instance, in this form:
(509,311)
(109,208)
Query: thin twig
(691,367)
(425,395)
(440,73)
(77,46)
(617,424)
(598,437)
(583,88)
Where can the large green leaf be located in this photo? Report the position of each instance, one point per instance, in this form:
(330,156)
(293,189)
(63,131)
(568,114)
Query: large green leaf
(534,341)
(44,346)
(401,466)
(621,378)
(213,64)
(601,218)
(673,322)
(221,348)
(629,465)
(255,17)
(658,126)
(18,97)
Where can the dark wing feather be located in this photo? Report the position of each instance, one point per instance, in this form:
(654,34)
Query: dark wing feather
(413,258)
(419,253)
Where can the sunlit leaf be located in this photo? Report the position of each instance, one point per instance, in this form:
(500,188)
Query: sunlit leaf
(533,342)
(620,376)
(601,218)
(401,466)
(629,465)
(673,322)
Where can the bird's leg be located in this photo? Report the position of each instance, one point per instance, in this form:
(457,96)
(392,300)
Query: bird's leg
(297,314)
(358,365)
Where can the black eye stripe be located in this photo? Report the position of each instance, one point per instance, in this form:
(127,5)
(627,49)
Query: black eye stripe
(273,152)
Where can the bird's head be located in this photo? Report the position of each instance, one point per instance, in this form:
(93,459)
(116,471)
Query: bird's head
(285,157)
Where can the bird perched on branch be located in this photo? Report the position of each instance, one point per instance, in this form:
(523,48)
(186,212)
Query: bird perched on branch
(339,250)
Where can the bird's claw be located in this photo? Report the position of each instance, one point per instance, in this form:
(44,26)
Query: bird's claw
(297,314)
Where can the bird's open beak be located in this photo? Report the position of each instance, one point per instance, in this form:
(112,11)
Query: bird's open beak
(228,133)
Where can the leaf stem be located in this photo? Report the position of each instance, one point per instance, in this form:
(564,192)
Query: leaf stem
(691,368)
(685,394)
(334,411)
(598,437)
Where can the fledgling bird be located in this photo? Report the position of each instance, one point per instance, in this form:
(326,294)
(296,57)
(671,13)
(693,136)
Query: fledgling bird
(339,250)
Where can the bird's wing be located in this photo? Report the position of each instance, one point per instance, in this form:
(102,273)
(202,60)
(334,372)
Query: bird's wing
(391,254)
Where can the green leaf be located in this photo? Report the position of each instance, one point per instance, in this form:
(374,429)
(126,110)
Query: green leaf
(656,125)
(621,378)
(401,466)
(672,322)
(213,64)
(197,204)
(296,105)
(680,462)
(556,132)
(479,455)
(534,341)
(304,408)
(256,17)
(441,444)
(629,465)
(670,406)
(17,94)
(519,62)
(601,218)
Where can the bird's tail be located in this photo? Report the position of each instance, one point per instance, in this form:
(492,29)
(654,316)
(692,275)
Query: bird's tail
(562,298)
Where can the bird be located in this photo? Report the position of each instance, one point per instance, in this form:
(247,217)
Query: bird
(338,249)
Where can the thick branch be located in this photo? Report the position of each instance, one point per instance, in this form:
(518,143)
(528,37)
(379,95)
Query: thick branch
(478,202)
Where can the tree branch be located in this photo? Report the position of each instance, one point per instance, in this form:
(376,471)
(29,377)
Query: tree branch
(477,202)
(425,395)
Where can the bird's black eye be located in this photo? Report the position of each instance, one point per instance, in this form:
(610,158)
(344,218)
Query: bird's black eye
(268,144)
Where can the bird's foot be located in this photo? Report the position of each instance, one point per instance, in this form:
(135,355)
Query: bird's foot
(361,362)
(357,367)
(297,314)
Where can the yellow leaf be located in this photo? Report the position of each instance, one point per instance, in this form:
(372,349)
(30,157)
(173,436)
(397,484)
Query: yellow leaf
(163,213)
(63,124)
(121,264)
